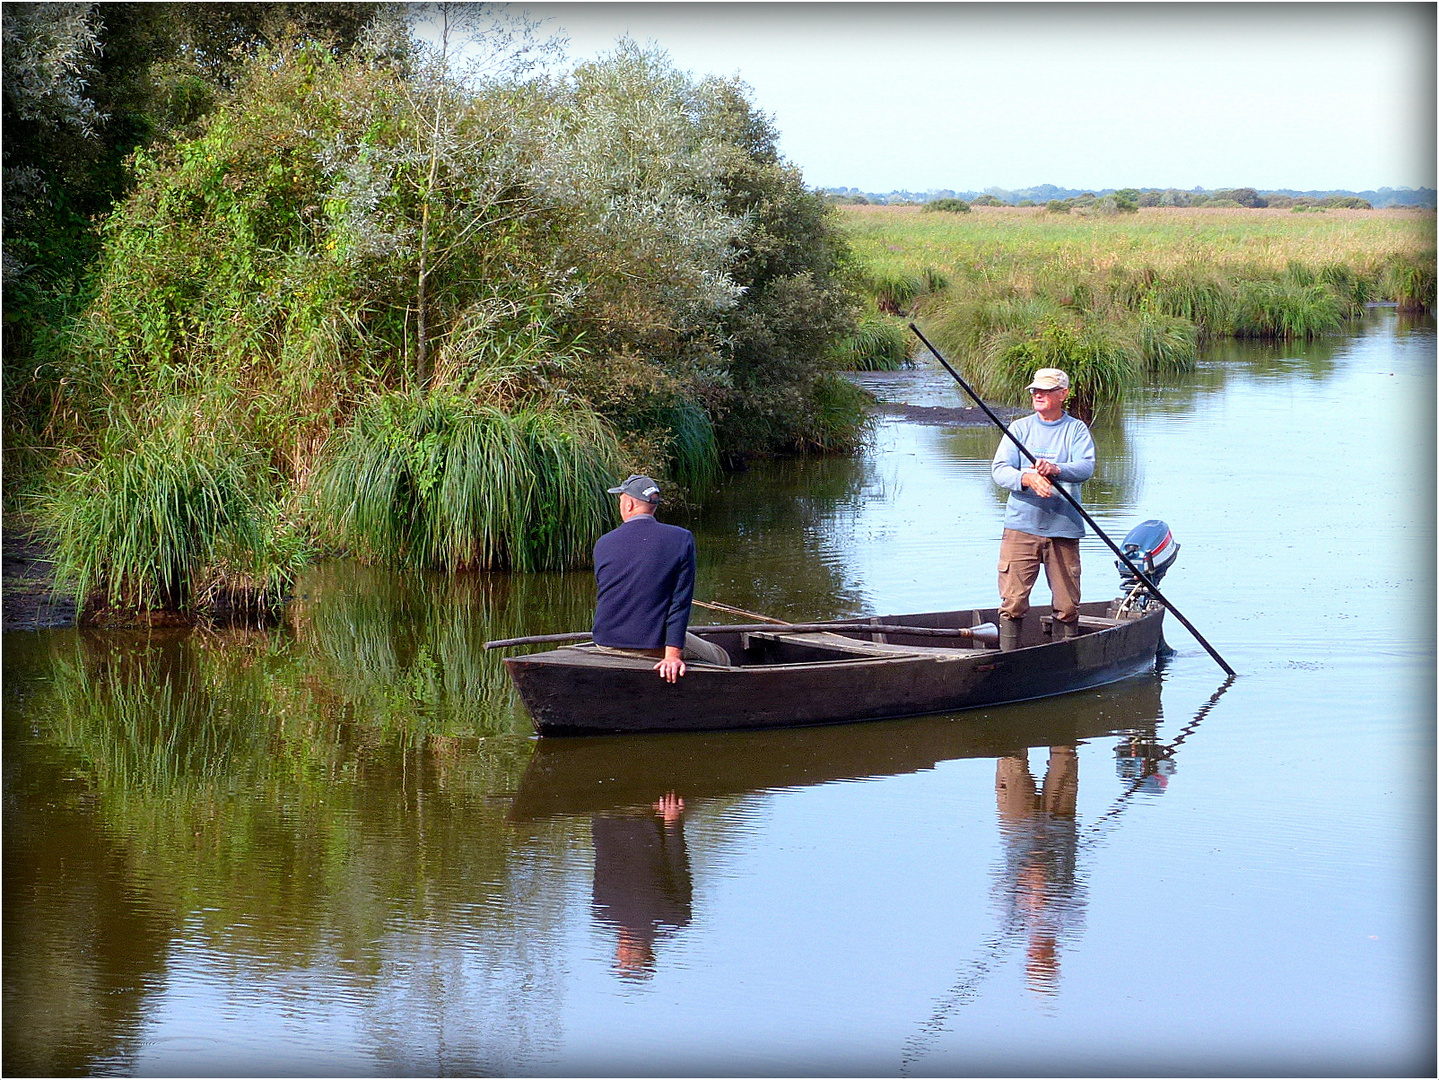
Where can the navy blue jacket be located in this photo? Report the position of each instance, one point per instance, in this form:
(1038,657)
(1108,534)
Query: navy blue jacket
(645,573)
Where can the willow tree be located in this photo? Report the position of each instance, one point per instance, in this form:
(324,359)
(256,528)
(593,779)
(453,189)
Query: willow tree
(710,274)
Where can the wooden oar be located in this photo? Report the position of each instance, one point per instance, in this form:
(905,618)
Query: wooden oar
(983,632)
(715,605)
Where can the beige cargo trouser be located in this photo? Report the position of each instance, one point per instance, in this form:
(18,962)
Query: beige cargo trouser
(1020,557)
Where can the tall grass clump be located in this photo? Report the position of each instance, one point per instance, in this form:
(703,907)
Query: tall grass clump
(894,293)
(434,481)
(1001,341)
(839,416)
(1102,359)
(1411,284)
(879,343)
(1167,343)
(177,516)
(1286,309)
(694,459)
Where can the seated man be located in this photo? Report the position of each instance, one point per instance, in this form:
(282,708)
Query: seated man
(645,573)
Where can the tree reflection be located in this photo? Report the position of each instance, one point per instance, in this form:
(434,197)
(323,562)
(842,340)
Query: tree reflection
(409,647)
(771,539)
(228,798)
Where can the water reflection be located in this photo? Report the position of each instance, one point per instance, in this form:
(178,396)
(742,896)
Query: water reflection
(233,824)
(776,538)
(407,648)
(1037,891)
(636,791)
(642,880)
(220,822)
(1118,473)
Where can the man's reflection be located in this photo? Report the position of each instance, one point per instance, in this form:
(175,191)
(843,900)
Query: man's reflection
(1037,889)
(642,881)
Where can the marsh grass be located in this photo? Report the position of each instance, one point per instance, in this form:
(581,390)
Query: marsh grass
(1111,299)
(694,457)
(176,514)
(1287,309)
(879,343)
(840,416)
(433,481)
(1412,285)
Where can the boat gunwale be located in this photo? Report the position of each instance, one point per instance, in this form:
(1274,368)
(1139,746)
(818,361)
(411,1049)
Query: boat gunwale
(582,656)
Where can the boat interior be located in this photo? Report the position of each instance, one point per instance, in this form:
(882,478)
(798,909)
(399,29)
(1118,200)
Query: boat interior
(970,632)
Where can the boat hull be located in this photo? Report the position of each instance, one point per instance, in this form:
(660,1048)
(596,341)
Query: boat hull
(572,691)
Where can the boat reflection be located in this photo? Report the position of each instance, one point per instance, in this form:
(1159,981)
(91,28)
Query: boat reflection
(598,773)
(636,790)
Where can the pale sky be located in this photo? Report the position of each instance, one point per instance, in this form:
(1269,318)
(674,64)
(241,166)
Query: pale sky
(966,96)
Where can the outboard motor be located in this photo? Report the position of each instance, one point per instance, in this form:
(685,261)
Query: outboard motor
(1152,548)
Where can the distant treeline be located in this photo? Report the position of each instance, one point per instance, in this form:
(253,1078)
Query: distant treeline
(1043,194)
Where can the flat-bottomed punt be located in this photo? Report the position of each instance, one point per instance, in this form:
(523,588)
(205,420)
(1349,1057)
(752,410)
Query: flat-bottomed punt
(886,667)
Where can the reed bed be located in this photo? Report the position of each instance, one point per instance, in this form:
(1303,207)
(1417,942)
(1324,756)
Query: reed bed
(879,343)
(1112,299)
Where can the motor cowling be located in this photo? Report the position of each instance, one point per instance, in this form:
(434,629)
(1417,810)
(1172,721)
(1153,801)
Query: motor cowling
(1152,548)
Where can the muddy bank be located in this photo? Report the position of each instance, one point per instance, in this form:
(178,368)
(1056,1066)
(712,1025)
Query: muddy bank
(944,416)
(28,602)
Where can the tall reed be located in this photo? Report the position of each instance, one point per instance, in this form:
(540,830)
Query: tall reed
(879,343)
(175,514)
(434,481)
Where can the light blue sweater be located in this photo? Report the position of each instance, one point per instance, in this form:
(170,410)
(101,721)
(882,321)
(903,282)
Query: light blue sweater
(1068,444)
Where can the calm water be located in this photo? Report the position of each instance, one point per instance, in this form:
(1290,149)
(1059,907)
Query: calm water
(334,849)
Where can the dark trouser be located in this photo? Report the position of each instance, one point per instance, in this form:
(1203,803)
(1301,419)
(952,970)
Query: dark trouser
(1020,557)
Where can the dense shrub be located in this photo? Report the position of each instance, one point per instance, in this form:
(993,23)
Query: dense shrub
(621,249)
(949,206)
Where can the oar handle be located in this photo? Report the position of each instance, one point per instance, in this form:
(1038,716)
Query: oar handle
(538,639)
(1138,573)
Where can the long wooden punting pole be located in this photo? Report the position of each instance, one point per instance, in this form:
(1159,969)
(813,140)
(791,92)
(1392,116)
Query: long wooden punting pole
(1153,588)
(790,628)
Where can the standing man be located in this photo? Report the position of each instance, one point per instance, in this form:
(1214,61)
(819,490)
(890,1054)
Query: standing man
(1040,525)
(645,574)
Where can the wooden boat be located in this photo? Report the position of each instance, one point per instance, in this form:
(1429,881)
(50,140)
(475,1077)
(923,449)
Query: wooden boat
(888,667)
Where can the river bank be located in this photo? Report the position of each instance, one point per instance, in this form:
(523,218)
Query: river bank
(28,600)
(30,603)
